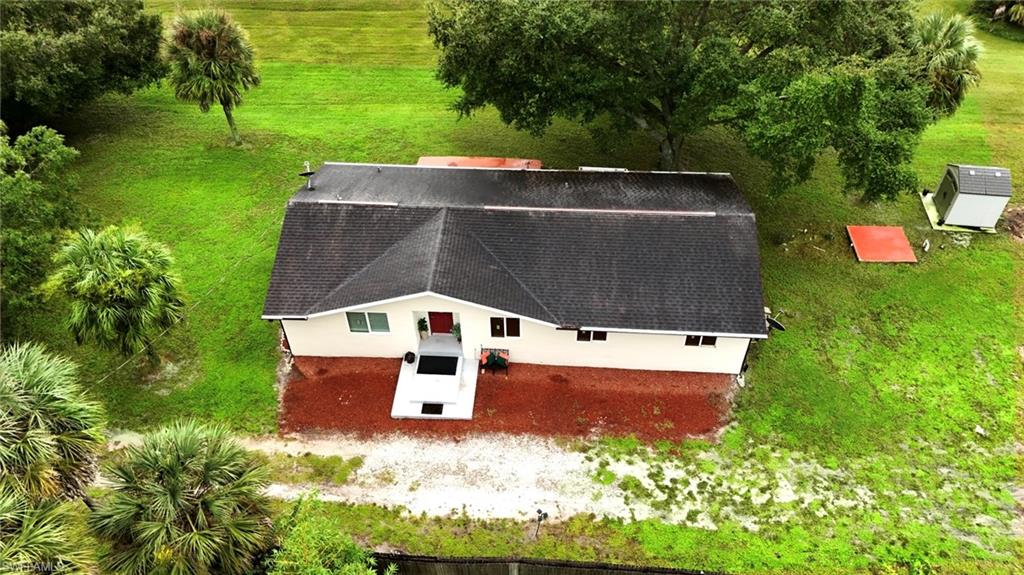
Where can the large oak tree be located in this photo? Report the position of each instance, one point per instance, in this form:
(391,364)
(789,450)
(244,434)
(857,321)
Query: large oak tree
(791,77)
(59,54)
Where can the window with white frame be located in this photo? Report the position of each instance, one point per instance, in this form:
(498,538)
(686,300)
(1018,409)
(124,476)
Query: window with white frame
(367,322)
(504,327)
(701,340)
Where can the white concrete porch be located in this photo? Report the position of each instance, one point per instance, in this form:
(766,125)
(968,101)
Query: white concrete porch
(454,393)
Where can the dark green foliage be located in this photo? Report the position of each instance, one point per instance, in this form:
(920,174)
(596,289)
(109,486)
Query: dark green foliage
(950,53)
(794,77)
(38,202)
(40,534)
(211,62)
(121,288)
(50,434)
(189,500)
(313,545)
(1011,11)
(60,54)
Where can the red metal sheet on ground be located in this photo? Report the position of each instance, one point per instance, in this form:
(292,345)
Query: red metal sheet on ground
(480,162)
(881,244)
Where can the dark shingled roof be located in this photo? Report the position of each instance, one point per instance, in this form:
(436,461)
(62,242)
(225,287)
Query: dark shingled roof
(617,250)
(982,180)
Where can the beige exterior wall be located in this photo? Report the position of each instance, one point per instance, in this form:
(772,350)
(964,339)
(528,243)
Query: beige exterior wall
(329,336)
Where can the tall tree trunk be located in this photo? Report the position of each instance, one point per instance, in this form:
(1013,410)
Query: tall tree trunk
(231,123)
(667,153)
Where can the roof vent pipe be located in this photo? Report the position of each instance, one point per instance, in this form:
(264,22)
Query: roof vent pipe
(308,174)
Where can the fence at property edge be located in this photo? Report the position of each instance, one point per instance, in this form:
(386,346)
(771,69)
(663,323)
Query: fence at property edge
(426,565)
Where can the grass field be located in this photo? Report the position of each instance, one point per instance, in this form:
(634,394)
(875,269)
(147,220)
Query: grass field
(884,372)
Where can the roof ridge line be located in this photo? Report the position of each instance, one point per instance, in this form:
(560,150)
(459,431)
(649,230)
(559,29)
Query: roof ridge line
(514,277)
(437,248)
(352,277)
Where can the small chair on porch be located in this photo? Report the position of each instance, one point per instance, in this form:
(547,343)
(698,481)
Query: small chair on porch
(494,359)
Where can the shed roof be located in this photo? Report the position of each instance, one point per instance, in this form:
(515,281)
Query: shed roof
(982,180)
(644,251)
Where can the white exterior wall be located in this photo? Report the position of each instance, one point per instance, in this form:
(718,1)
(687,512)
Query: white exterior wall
(976,210)
(329,336)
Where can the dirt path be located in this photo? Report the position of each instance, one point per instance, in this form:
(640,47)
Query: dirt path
(492,476)
(502,476)
(485,476)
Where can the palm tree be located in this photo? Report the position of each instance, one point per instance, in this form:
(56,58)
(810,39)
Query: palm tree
(1015,13)
(188,500)
(950,54)
(38,533)
(50,432)
(121,288)
(211,62)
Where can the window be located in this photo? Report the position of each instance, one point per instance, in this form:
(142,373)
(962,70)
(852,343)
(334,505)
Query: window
(701,340)
(584,335)
(379,322)
(512,326)
(504,327)
(366,322)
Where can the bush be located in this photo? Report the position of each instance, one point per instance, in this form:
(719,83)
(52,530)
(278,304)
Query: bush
(38,204)
(313,545)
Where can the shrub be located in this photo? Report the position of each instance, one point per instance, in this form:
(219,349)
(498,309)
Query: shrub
(313,545)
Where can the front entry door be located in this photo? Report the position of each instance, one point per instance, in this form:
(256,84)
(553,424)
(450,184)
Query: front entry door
(441,321)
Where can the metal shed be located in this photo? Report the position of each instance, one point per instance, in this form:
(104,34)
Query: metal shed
(972,196)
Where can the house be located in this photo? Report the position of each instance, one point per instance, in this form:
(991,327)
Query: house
(607,269)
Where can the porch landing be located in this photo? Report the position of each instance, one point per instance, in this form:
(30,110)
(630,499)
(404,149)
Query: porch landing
(452,394)
(355,395)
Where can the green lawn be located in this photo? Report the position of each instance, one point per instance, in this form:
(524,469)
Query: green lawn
(884,371)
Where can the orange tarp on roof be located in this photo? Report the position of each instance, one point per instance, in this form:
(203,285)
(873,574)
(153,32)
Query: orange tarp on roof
(881,244)
(480,162)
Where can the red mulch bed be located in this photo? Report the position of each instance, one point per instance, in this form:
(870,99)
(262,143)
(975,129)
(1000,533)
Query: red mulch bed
(354,395)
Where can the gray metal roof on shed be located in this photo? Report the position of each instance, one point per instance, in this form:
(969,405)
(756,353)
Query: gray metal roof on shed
(982,180)
(646,251)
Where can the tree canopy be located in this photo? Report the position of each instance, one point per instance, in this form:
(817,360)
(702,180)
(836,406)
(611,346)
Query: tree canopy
(38,203)
(59,54)
(212,62)
(791,77)
(950,53)
(121,286)
(188,500)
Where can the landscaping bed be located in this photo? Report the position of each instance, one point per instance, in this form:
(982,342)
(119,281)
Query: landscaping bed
(354,395)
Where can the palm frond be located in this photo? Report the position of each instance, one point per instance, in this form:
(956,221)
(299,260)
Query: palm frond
(51,432)
(950,53)
(177,503)
(121,286)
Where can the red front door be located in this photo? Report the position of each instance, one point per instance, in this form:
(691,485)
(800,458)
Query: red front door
(441,321)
